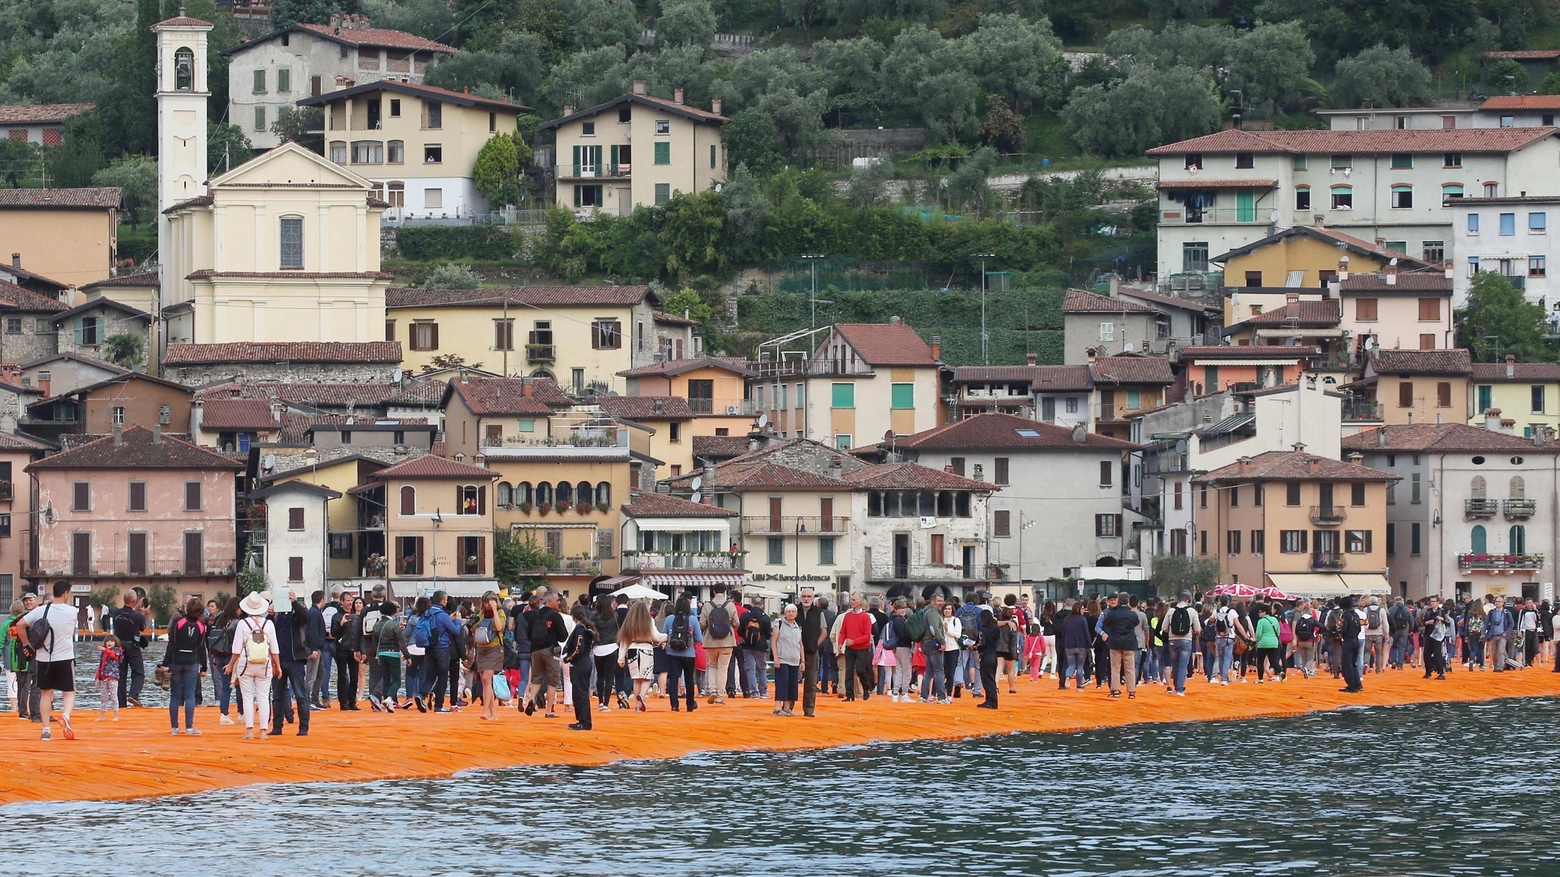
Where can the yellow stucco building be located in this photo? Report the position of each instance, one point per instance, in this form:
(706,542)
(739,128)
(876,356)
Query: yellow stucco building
(715,388)
(1526,393)
(1303,257)
(416,143)
(636,150)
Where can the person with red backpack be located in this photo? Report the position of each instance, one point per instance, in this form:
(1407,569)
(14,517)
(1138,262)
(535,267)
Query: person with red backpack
(186,662)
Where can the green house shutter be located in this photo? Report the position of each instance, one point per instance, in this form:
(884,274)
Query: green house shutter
(902,396)
(663,153)
(844,396)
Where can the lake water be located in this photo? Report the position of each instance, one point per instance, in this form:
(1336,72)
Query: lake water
(1367,791)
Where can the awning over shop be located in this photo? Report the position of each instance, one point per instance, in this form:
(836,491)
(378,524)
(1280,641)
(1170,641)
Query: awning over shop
(664,580)
(1317,584)
(617,581)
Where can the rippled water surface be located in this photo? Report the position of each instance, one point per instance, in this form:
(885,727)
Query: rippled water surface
(1373,791)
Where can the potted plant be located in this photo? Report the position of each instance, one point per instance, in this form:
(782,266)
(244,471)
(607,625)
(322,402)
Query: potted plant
(603,507)
(525,507)
(583,508)
(544,508)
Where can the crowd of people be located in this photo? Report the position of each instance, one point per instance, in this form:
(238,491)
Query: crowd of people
(274,664)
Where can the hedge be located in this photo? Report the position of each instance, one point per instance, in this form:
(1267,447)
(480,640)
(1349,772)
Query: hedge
(437,243)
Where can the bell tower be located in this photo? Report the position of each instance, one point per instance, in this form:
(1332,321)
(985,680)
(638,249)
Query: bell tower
(182,94)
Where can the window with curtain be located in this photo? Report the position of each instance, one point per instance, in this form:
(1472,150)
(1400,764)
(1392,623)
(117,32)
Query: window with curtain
(1516,541)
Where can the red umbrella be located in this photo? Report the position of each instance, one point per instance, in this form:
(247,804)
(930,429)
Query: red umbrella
(1275,593)
(1235,589)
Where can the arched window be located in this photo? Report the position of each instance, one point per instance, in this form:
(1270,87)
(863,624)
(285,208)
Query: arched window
(523,495)
(1518,487)
(506,494)
(544,493)
(604,494)
(1476,487)
(565,494)
(290,242)
(183,70)
(1479,543)
(1516,542)
(583,491)
(408,500)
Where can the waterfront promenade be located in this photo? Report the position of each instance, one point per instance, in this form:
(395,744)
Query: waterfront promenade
(136,757)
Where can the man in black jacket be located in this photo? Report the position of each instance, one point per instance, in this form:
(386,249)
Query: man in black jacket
(1353,645)
(1120,624)
(318,633)
(129,626)
(293,650)
(815,633)
(1057,649)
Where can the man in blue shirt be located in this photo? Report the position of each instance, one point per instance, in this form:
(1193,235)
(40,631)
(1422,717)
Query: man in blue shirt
(445,632)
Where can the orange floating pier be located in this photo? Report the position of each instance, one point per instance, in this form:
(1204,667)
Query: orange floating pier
(137,757)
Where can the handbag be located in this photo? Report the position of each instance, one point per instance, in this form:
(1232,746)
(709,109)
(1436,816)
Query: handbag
(884,657)
(1241,647)
(501,686)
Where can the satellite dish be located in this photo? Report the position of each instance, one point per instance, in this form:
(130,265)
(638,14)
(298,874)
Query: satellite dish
(270,461)
(698,482)
(696,496)
(763,421)
(397,375)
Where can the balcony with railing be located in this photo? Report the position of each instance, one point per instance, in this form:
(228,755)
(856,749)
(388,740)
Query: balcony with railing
(786,525)
(1481,508)
(582,171)
(734,407)
(1327,560)
(1361,409)
(1327,515)
(1181,215)
(541,352)
(1515,508)
(808,368)
(721,560)
(1508,563)
(584,440)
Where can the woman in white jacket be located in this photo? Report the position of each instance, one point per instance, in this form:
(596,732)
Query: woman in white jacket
(255,662)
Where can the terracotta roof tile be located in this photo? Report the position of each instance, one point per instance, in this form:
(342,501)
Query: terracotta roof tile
(13,297)
(525,296)
(416,89)
(39,114)
(673,107)
(1202,183)
(1294,466)
(673,319)
(527,396)
(913,476)
(1522,372)
(1359,142)
(376,37)
(429,466)
(1246,351)
(1441,437)
(1308,314)
(1063,379)
(182,21)
(1524,101)
(207,273)
(1422,281)
(1423,362)
(1007,432)
(646,407)
(761,474)
(661,505)
(103,199)
(10,441)
(1359,246)
(719,447)
(138,451)
(880,344)
(1127,368)
(1525,55)
(682,366)
(419,392)
(379,352)
(237,414)
(1079,302)
(319,395)
(967,374)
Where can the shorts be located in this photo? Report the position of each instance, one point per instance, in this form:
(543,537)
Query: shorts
(545,669)
(54,675)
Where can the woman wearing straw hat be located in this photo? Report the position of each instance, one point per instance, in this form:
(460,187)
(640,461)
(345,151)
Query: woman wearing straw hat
(255,662)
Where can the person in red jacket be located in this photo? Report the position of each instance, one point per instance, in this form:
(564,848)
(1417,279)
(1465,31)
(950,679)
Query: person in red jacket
(856,642)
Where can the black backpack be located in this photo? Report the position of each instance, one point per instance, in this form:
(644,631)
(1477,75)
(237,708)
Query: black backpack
(1305,629)
(187,637)
(1221,622)
(681,635)
(720,621)
(752,631)
(1335,623)
(220,639)
(1181,621)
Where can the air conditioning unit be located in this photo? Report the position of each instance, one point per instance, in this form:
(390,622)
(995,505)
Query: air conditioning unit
(733,409)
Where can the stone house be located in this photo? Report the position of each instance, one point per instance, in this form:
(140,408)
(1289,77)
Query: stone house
(302,361)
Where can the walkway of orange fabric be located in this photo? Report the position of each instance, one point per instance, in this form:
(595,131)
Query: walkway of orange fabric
(138,758)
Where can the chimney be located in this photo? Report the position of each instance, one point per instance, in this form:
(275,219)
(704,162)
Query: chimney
(1080,434)
(119,435)
(1356,458)
(1381,243)
(1317,219)
(1091,352)
(1381,436)
(894,320)
(1299,447)
(568,109)
(1508,425)
(715,106)
(1312,464)
(1245,464)
(156,433)
(677,95)
(1030,358)
(480,459)
(1391,277)
(1511,365)
(460,456)
(16,260)
(639,87)
(1291,298)
(1343,268)
(43,387)
(936,346)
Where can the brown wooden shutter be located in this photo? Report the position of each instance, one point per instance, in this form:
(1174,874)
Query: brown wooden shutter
(81,497)
(294,569)
(1443,394)
(417,552)
(775,523)
(434,329)
(482,500)
(481,555)
(137,496)
(458,509)
(1405,394)
(194,556)
(81,553)
(295,519)
(192,496)
(137,552)
(408,500)
(1118,525)
(826,514)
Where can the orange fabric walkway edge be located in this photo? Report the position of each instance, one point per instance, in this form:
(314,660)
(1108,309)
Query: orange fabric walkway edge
(137,757)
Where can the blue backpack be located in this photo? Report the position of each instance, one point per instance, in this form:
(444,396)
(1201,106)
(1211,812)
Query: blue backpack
(422,634)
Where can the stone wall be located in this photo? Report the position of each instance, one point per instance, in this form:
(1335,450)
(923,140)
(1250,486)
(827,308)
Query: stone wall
(36,339)
(300,372)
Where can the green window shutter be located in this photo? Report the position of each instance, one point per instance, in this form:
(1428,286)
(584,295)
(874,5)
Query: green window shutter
(712,156)
(663,153)
(844,396)
(576,194)
(576,171)
(79,321)
(663,193)
(903,396)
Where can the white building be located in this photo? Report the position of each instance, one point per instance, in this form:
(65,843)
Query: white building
(1474,513)
(1235,187)
(294,543)
(271,73)
(43,124)
(1059,499)
(1501,111)
(1509,236)
(920,530)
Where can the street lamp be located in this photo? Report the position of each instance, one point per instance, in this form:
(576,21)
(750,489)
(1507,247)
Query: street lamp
(985,356)
(801,530)
(812,259)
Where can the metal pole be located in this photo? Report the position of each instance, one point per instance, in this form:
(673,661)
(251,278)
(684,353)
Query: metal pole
(985,356)
(812,301)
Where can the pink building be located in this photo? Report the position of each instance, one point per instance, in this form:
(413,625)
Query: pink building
(137,508)
(16,512)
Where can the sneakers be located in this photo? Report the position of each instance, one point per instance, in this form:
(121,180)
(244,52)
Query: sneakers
(576,726)
(175,732)
(47,735)
(603,708)
(192,732)
(422,705)
(896,698)
(444,710)
(622,701)
(134,701)
(225,720)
